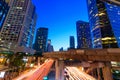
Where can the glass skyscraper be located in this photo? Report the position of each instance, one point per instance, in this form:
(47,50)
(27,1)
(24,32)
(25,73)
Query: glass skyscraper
(3,11)
(104,24)
(41,40)
(114,16)
(72,42)
(83,35)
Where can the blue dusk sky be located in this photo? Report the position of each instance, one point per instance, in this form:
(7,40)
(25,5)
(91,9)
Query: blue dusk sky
(60,17)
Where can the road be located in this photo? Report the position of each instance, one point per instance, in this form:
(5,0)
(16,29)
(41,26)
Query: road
(75,74)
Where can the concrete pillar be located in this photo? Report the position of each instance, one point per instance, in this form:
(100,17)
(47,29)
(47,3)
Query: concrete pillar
(99,74)
(59,65)
(107,74)
(94,72)
(39,61)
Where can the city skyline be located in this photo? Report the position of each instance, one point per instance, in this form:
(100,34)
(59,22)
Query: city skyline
(86,33)
(60,17)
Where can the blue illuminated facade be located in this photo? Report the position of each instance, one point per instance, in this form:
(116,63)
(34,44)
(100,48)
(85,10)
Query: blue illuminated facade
(104,24)
(3,11)
(114,16)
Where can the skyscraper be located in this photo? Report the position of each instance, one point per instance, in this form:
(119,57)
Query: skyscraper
(61,49)
(104,24)
(72,42)
(83,35)
(49,46)
(18,28)
(41,40)
(113,12)
(3,11)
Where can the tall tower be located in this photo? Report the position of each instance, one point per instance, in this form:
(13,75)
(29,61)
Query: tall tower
(113,12)
(41,40)
(72,42)
(49,46)
(19,25)
(3,12)
(83,35)
(104,24)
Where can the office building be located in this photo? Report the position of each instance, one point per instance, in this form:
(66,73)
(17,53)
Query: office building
(83,35)
(104,23)
(61,49)
(41,40)
(3,12)
(49,46)
(113,12)
(19,26)
(72,42)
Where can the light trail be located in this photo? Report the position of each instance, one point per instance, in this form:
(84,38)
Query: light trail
(38,73)
(75,74)
(42,71)
(26,73)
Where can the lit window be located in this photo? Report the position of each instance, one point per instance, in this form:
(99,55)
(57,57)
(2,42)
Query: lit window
(19,7)
(0,13)
(101,14)
(118,12)
(113,20)
(40,47)
(8,24)
(119,37)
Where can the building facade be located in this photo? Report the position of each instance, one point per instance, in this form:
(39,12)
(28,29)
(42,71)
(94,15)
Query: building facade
(19,26)
(83,35)
(104,24)
(72,42)
(41,40)
(114,14)
(3,12)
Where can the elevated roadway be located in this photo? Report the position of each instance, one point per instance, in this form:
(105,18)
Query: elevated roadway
(92,58)
(112,54)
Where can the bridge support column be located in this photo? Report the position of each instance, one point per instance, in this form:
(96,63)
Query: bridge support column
(107,74)
(59,65)
(39,61)
(99,73)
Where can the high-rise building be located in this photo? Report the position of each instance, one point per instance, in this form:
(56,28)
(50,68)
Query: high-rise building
(104,23)
(61,49)
(18,28)
(41,40)
(72,42)
(3,12)
(113,12)
(49,46)
(83,35)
